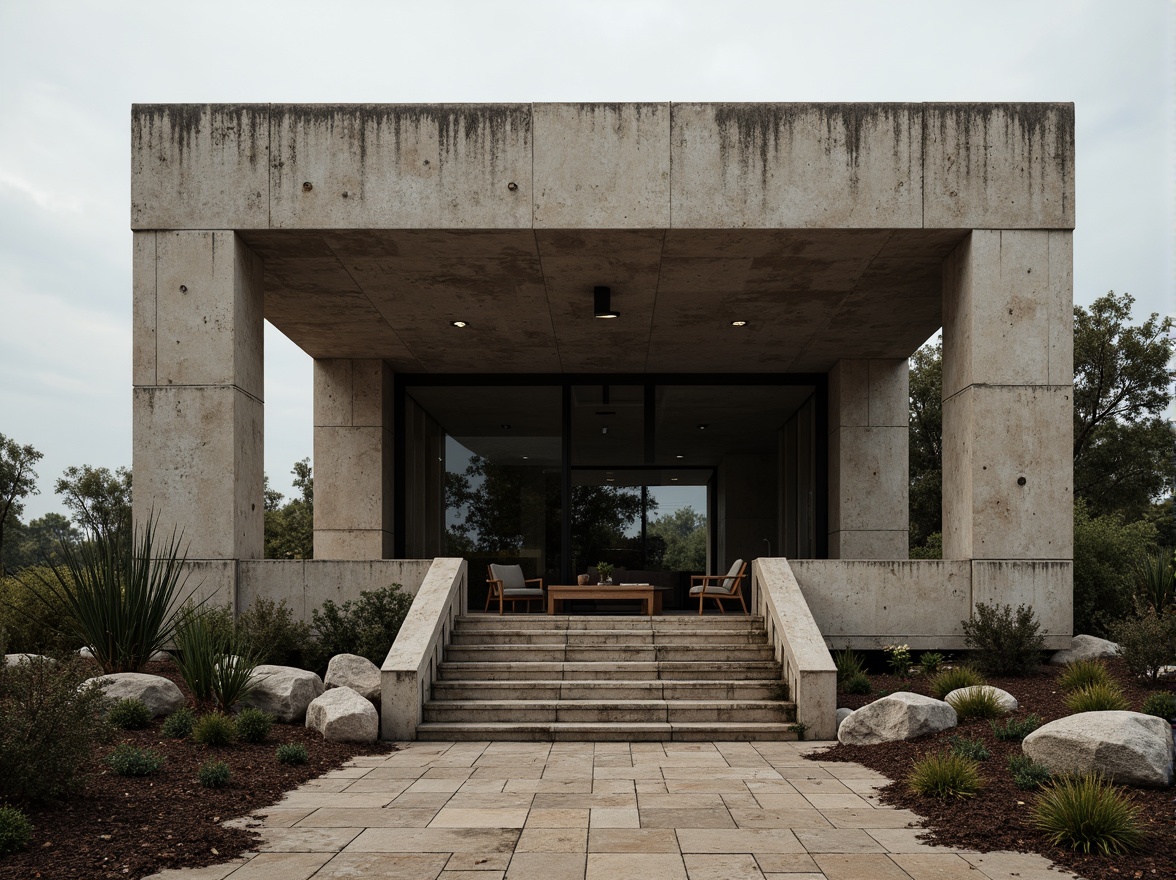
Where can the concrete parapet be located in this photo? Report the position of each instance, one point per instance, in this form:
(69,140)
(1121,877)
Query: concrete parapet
(306,584)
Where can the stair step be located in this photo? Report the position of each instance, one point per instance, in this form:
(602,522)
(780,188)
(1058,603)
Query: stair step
(598,671)
(538,637)
(556,622)
(612,711)
(609,689)
(605,732)
(724,654)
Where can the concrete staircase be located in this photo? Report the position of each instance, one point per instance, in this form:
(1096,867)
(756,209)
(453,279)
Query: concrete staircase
(543,677)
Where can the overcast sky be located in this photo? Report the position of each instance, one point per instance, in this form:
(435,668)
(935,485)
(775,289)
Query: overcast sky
(69,73)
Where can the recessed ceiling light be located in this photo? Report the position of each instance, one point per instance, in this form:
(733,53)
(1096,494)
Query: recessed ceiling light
(673,479)
(679,456)
(526,458)
(505,427)
(738,323)
(458,324)
(602,303)
(703,427)
(610,479)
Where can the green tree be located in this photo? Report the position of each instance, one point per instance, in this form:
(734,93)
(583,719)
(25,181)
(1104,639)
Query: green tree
(98,500)
(1123,446)
(925,450)
(684,534)
(18,480)
(1106,551)
(289,527)
(40,541)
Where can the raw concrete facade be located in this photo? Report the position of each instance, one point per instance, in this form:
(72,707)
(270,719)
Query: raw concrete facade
(848,233)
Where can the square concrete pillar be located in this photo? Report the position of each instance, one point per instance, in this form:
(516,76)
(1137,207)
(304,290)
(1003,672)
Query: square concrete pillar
(1008,474)
(352,459)
(868,465)
(198,380)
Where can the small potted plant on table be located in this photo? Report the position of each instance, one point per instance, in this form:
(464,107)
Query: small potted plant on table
(605,569)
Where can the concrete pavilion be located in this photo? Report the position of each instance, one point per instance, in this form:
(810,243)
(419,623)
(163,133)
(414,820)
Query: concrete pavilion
(845,235)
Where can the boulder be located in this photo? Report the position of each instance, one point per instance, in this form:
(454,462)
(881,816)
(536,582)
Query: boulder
(842,714)
(1085,648)
(899,716)
(88,653)
(1128,747)
(14,659)
(342,715)
(283,691)
(157,693)
(355,672)
(1008,703)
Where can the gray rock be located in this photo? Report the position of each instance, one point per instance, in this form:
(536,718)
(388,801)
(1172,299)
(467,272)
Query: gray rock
(358,673)
(842,714)
(342,715)
(157,693)
(1128,747)
(1008,703)
(899,716)
(283,691)
(1085,648)
(88,653)
(15,659)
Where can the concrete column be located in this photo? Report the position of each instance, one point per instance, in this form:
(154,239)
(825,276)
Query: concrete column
(869,420)
(352,459)
(198,383)
(1008,359)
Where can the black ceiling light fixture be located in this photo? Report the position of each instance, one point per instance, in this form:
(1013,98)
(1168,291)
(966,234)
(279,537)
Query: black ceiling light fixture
(602,303)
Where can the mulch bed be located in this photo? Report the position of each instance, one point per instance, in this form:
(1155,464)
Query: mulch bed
(998,817)
(131,827)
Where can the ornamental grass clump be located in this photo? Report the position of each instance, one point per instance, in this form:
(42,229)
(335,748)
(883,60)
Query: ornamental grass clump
(1005,642)
(292,754)
(15,830)
(978,702)
(930,661)
(129,715)
(849,663)
(1087,813)
(214,774)
(945,775)
(1097,698)
(1161,704)
(129,760)
(1081,673)
(214,729)
(253,725)
(1015,729)
(953,679)
(216,662)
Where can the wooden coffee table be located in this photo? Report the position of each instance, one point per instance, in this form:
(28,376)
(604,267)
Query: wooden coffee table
(647,593)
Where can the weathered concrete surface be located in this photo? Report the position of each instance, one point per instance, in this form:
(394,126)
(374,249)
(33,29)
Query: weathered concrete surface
(1046,586)
(868,459)
(353,446)
(306,584)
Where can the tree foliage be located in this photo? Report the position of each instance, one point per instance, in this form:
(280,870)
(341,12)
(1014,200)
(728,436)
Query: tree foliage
(1106,549)
(98,500)
(289,527)
(18,480)
(683,534)
(926,444)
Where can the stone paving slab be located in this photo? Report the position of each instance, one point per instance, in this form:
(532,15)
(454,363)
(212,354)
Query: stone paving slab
(600,811)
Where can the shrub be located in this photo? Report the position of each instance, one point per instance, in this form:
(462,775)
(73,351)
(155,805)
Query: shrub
(857,684)
(33,626)
(930,661)
(178,725)
(1104,549)
(1155,580)
(1015,729)
(15,830)
(214,774)
(366,627)
(969,748)
(799,728)
(849,663)
(1082,673)
(120,595)
(1096,698)
(253,725)
(1087,813)
(1006,642)
(292,753)
(945,775)
(49,725)
(129,715)
(273,633)
(1162,704)
(953,679)
(1027,773)
(216,663)
(1147,643)
(214,729)
(980,702)
(898,658)
(129,760)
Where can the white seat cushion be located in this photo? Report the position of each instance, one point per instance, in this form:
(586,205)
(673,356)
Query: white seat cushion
(711,589)
(732,574)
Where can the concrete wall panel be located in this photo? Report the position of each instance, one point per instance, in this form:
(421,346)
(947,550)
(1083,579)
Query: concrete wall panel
(143,309)
(998,166)
(797,165)
(1047,587)
(197,166)
(863,544)
(306,584)
(602,166)
(458,166)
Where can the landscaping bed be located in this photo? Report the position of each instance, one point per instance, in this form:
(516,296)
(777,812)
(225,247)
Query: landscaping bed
(131,827)
(998,817)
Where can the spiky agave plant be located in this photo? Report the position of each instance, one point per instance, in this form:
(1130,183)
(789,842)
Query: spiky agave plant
(121,597)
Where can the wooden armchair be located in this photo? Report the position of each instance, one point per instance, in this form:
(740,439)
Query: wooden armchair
(507,584)
(720,586)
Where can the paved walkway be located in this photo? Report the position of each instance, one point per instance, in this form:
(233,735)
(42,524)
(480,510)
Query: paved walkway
(601,811)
